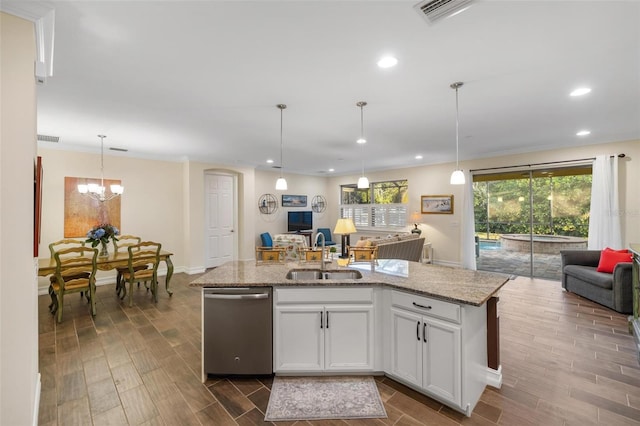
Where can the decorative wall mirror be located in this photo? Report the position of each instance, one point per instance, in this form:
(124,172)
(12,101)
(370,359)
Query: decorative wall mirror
(267,204)
(318,204)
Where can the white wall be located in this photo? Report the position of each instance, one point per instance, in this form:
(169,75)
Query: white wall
(444,230)
(194,217)
(165,200)
(150,205)
(276,223)
(19,379)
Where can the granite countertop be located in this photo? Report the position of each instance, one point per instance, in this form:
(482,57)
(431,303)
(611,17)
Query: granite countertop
(635,248)
(442,282)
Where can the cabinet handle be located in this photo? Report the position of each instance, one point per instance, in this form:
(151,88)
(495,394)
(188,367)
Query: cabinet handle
(320,319)
(327,320)
(418,331)
(417,305)
(424,332)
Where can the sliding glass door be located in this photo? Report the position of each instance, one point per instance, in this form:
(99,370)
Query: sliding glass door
(523,219)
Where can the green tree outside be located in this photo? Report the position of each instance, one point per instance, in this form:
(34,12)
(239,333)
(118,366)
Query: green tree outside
(561,206)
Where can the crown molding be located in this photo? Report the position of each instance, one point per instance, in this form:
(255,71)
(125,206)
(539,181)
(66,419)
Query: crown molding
(43,17)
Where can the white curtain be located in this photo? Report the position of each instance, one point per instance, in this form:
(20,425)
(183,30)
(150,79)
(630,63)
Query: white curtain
(468,242)
(604,217)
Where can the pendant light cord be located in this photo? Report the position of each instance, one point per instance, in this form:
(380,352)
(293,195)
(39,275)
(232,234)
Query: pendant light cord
(456,86)
(362,133)
(281,144)
(281,107)
(457,131)
(102,161)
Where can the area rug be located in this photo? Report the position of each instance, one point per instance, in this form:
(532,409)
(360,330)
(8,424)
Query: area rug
(320,398)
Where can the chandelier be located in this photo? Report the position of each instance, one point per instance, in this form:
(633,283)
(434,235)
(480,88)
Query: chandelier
(95,191)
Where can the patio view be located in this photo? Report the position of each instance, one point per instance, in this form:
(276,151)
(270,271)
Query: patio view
(523,219)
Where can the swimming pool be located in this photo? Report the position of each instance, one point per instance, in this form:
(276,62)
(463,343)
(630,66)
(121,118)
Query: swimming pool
(489,245)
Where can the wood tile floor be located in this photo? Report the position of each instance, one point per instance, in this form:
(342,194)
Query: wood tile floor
(566,361)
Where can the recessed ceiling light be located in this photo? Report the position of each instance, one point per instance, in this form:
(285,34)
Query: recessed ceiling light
(583,133)
(269,161)
(332,170)
(580,91)
(418,157)
(387,62)
(361,141)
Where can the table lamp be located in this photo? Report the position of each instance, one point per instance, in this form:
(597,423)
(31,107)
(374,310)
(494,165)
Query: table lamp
(416,218)
(344,227)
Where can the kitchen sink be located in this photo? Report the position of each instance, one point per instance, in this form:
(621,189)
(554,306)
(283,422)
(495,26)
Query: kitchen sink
(318,274)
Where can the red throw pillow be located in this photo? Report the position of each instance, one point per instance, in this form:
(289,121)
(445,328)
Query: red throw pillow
(610,258)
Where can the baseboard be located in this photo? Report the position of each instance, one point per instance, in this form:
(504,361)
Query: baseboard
(194,270)
(494,377)
(447,263)
(36,401)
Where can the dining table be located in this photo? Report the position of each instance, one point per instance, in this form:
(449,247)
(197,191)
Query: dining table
(47,266)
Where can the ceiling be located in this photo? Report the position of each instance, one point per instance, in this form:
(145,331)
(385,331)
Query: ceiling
(200,80)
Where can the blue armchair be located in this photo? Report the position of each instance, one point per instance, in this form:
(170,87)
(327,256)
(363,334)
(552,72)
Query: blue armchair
(266,239)
(269,253)
(327,236)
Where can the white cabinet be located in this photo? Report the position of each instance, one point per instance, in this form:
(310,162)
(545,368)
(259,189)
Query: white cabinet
(441,359)
(426,353)
(348,337)
(299,341)
(426,346)
(314,336)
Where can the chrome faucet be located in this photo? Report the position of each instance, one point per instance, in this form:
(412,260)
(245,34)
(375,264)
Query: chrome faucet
(318,235)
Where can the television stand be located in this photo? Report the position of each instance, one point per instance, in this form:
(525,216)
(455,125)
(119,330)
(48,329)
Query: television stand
(308,233)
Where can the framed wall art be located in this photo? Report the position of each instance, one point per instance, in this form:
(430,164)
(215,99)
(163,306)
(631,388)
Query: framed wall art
(436,204)
(294,201)
(81,212)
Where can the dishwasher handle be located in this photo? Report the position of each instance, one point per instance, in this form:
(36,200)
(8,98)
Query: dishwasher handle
(236,296)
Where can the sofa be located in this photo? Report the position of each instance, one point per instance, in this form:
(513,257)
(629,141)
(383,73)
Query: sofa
(404,247)
(580,276)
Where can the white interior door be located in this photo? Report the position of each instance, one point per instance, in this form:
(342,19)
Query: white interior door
(220,219)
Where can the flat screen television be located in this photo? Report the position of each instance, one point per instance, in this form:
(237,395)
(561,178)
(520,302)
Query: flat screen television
(300,221)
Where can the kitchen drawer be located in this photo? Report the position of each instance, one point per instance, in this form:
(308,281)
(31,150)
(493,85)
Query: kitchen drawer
(324,295)
(426,306)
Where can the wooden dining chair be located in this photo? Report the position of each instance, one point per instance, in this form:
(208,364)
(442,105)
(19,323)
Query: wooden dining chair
(122,245)
(142,266)
(75,272)
(60,245)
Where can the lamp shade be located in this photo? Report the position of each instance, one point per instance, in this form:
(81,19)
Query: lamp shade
(457,178)
(344,227)
(281,184)
(363,183)
(415,217)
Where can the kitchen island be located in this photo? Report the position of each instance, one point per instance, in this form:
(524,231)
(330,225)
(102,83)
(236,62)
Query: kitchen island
(424,325)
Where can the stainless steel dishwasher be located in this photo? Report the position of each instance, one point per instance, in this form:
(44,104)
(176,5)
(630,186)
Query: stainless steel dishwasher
(237,331)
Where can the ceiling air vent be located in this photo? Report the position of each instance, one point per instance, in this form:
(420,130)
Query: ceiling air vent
(436,10)
(47,138)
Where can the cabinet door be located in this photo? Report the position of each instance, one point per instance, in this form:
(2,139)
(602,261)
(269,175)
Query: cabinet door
(406,346)
(299,342)
(441,359)
(349,337)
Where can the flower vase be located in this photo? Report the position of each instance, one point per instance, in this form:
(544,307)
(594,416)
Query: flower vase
(104,250)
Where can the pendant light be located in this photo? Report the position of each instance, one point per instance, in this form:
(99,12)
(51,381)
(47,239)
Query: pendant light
(457,177)
(281,183)
(98,192)
(363,182)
